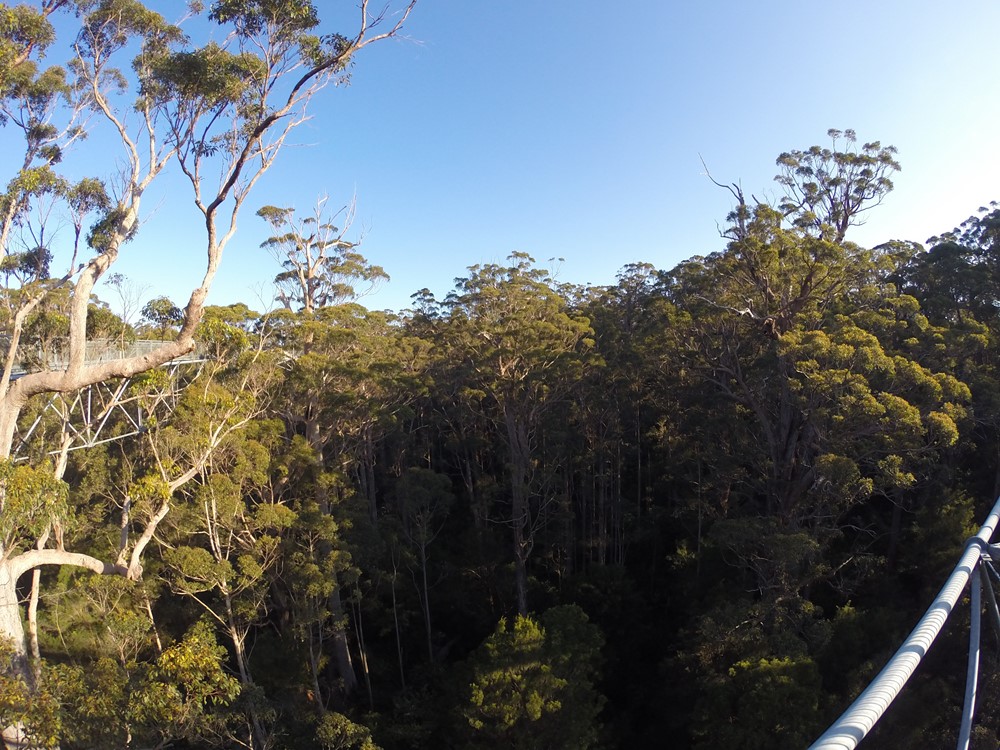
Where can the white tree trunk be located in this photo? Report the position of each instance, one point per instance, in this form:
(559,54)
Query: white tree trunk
(11,626)
(12,630)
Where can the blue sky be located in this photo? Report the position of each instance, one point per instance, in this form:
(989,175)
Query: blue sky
(573,130)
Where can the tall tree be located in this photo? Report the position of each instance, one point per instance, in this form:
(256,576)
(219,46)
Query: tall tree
(522,347)
(223,108)
(320,267)
(341,387)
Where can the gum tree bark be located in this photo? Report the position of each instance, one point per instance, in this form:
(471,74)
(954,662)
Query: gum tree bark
(232,123)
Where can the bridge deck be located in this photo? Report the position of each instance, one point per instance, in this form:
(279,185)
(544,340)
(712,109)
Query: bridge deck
(98,351)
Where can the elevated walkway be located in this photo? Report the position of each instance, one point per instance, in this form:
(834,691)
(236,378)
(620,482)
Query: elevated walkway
(974,570)
(98,350)
(106,411)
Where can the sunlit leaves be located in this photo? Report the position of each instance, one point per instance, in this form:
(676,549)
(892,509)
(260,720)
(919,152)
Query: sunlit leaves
(516,329)
(23,30)
(30,498)
(197,570)
(768,704)
(336,732)
(826,188)
(107,232)
(186,682)
(162,315)
(532,683)
(113,23)
(28,100)
(37,710)
(210,75)
(321,268)
(32,265)
(251,17)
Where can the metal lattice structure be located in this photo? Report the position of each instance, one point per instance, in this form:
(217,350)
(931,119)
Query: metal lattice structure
(106,411)
(975,566)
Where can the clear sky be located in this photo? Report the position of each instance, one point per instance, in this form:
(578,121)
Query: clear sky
(573,130)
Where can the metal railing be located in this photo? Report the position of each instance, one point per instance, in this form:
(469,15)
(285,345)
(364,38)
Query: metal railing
(56,356)
(857,721)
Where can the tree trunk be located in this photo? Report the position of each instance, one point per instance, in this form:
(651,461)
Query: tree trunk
(368,468)
(36,654)
(341,649)
(359,630)
(522,540)
(520,572)
(12,630)
(602,505)
(237,636)
(395,621)
(11,626)
(517,439)
(342,653)
(427,601)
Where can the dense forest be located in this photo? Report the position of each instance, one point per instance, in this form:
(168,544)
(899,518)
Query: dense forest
(697,508)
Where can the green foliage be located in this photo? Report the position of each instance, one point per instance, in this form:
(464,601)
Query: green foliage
(186,682)
(111,24)
(533,683)
(36,710)
(209,78)
(30,498)
(782,561)
(768,703)
(751,471)
(179,696)
(321,269)
(162,315)
(423,499)
(23,29)
(517,330)
(95,702)
(32,265)
(336,732)
(106,232)
(105,325)
(251,17)
(827,188)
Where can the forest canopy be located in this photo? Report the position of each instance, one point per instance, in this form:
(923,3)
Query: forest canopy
(702,503)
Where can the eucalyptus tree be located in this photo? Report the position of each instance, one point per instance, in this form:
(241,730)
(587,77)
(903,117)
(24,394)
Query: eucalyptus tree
(828,188)
(162,316)
(817,362)
(620,405)
(319,266)
(523,349)
(229,573)
(423,501)
(342,386)
(957,282)
(533,683)
(223,109)
(354,373)
(832,412)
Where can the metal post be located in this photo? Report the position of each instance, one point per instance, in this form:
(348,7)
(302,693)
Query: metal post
(972,675)
(985,568)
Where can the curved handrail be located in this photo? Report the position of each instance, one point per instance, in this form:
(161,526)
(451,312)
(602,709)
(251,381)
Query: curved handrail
(857,721)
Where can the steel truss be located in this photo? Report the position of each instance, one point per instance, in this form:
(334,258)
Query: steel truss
(105,412)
